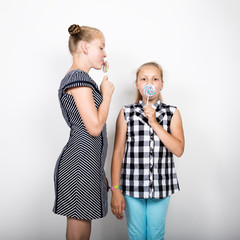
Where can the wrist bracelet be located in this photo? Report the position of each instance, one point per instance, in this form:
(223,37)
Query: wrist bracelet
(115,187)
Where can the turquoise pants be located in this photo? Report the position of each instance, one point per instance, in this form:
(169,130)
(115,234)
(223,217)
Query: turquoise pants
(146,218)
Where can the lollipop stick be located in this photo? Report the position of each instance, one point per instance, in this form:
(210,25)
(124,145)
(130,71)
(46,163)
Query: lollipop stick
(147,100)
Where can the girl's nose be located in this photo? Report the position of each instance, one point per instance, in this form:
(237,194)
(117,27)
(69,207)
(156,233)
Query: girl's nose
(105,54)
(150,81)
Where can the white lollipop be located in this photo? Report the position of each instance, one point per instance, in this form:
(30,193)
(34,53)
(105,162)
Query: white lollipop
(149,90)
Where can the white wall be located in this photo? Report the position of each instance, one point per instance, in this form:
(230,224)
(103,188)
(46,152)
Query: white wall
(196,42)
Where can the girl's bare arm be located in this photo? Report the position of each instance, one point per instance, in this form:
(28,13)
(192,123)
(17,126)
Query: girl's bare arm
(118,202)
(173,141)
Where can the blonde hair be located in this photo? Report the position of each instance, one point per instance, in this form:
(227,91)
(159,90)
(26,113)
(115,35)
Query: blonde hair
(152,64)
(83,33)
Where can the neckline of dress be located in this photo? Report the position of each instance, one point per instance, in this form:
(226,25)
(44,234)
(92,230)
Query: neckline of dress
(77,70)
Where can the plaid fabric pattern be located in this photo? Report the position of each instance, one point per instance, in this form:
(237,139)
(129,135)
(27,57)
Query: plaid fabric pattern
(148,169)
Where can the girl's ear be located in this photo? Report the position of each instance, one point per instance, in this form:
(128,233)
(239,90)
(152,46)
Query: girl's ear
(136,84)
(162,84)
(83,47)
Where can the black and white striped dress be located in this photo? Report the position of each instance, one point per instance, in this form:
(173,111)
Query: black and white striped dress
(80,182)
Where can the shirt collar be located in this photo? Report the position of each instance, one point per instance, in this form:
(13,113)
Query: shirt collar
(154,106)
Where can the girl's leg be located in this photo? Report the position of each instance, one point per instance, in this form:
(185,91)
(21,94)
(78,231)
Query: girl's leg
(78,229)
(156,218)
(135,210)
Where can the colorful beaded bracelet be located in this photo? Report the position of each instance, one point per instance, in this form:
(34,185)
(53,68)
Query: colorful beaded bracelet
(115,187)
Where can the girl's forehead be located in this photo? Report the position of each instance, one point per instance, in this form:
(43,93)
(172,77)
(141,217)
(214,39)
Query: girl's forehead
(149,70)
(99,40)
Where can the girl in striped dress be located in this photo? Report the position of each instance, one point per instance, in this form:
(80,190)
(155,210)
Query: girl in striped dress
(148,133)
(80,182)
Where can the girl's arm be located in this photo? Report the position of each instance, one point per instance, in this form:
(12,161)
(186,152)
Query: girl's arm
(174,142)
(118,202)
(93,118)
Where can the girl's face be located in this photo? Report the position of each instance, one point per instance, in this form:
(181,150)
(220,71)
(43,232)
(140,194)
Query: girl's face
(149,75)
(96,52)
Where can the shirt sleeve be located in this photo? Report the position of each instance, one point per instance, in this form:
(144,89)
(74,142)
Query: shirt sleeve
(79,79)
(172,110)
(126,111)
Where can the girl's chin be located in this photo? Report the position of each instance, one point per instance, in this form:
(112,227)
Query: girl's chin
(98,67)
(152,99)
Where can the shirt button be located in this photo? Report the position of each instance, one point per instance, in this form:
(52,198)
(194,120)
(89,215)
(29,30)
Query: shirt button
(151,167)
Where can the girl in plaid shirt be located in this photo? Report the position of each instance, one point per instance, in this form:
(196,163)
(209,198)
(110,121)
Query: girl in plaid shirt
(143,171)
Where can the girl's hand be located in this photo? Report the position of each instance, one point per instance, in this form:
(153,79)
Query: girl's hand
(150,114)
(117,203)
(106,87)
(108,187)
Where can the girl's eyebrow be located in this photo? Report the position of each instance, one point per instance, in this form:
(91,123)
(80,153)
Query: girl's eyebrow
(149,75)
(101,43)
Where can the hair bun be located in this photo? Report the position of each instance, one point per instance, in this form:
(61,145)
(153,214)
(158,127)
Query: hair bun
(74,29)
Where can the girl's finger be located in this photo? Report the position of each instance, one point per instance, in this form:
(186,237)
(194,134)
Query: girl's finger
(123,207)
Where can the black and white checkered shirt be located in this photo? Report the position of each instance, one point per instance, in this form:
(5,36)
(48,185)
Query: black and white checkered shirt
(148,169)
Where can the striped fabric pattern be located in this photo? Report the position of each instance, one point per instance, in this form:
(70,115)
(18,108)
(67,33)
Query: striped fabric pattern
(80,182)
(148,169)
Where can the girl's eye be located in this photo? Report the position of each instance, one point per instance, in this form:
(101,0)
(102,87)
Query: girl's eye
(143,79)
(155,79)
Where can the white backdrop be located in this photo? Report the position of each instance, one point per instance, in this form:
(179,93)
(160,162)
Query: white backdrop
(196,42)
